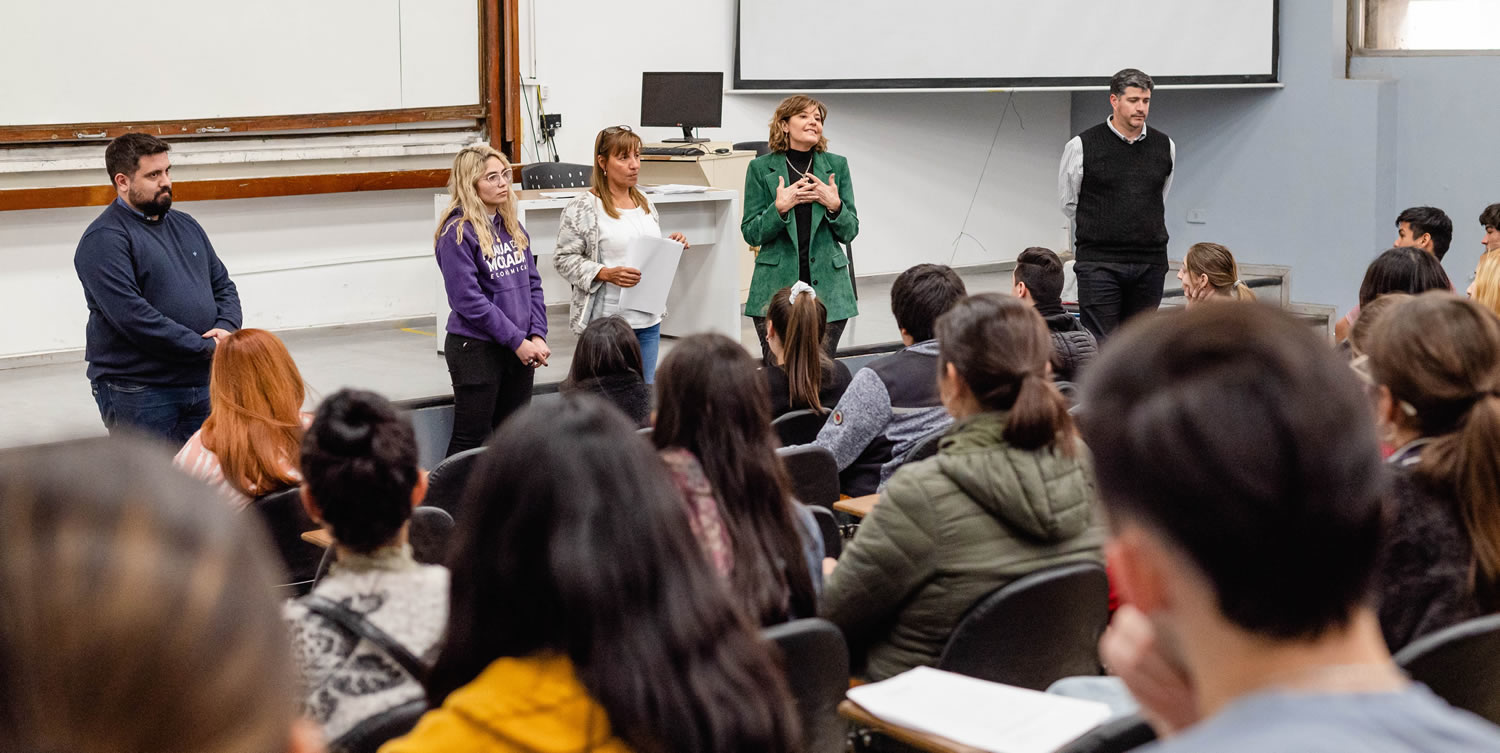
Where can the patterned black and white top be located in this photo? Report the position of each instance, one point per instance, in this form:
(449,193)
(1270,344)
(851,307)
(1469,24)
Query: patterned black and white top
(347,679)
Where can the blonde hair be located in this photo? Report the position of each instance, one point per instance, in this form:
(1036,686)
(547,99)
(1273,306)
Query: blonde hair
(1217,263)
(1487,281)
(790,106)
(615,141)
(468,168)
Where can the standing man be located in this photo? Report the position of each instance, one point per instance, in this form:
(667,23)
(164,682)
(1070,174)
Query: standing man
(159,299)
(1113,184)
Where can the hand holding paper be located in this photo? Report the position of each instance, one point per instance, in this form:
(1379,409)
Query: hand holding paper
(656,258)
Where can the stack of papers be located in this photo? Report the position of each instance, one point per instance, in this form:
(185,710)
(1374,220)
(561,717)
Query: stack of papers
(561,194)
(979,714)
(673,188)
(657,259)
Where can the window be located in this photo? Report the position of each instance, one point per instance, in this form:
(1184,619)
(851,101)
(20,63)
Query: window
(1427,24)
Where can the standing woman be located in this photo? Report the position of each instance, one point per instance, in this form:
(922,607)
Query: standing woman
(597,228)
(799,208)
(497,331)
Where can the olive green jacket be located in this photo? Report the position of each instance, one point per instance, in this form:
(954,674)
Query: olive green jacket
(776,263)
(950,530)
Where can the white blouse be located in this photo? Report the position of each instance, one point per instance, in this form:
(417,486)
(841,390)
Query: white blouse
(615,236)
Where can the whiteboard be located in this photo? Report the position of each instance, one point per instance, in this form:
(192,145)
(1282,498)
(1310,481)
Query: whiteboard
(894,44)
(107,61)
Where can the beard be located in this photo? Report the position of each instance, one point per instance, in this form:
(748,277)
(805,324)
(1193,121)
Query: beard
(152,206)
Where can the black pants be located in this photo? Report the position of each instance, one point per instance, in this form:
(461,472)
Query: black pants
(830,339)
(489,384)
(1109,293)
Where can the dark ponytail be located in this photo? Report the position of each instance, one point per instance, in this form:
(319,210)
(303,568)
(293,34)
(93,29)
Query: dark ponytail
(1000,346)
(801,327)
(359,461)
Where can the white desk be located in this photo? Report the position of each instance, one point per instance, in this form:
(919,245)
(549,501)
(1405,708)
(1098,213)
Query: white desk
(705,294)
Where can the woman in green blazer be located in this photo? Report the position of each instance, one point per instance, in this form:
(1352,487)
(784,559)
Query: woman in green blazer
(799,210)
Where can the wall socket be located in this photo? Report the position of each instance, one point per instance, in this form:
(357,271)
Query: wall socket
(546,91)
(1197,217)
(552,120)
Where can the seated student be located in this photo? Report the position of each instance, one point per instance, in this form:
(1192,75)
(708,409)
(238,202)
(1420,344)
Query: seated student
(892,404)
(607,363)
(133,616)
(1427,228)
(1038,280)
(1435,361)
(803,377)
(1209,273)
(1404,269)
(1485,289)
(584,616)
(1369,316)
(1008,493)
(1246,556)
(359,464)
(248,445)
(1489,219)
(712,405)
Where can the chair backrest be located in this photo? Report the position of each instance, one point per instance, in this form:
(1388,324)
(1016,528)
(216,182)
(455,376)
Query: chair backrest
(445,484)
(828,525)
(925,447)
(814,472)
(370,734)
(817,672)
(431,527)
(1461,664)
(285,521)
(1034,631)
(799,426)
(1114,736)
(762,148)
(556,175)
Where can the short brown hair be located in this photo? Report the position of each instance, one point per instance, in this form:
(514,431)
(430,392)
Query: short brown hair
(784,112)
(123,155)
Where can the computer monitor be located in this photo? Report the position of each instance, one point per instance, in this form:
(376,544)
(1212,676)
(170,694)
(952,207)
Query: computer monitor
(685,100)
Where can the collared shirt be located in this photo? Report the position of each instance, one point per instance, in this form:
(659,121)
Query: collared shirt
(127,205)
(1070,174)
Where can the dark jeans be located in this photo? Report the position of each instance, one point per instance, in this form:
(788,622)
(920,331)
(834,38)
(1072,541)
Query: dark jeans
(489,384)
(830,339)
(1109,293)
(172,413)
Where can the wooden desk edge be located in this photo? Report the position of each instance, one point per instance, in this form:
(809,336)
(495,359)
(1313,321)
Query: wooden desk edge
(319,537)
(923,740)
(857,506)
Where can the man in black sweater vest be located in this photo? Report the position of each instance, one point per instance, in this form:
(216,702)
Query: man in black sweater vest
(1113,184)
(159,299)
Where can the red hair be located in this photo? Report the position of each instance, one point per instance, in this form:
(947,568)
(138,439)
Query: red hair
(255,426)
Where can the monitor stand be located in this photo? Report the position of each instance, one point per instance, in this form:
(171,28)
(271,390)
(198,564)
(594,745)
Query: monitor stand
(687,138)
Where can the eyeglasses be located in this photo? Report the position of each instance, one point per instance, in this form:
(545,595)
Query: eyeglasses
(617,129)
(1363,370)
(496,179)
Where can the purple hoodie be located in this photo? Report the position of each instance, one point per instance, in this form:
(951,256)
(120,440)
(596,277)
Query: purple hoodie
(497,299)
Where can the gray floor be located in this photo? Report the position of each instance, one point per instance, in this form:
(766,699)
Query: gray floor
(50,402)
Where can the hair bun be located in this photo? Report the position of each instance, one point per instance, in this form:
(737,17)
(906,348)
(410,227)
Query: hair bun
(350,427)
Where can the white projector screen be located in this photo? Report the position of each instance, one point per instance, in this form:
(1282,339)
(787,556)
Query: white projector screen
(992,44)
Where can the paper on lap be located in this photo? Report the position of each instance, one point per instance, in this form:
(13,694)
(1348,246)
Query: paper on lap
(657,259)
(977,713)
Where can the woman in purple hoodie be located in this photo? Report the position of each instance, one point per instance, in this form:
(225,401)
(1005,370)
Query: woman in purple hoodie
(497,331)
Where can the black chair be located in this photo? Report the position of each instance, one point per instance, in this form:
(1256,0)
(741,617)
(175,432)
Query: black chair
(816,662)
(833,541)
(799,426)
(556,175)
(1461,664)
(445,483)
(1114,736)
(370,734)
(762,148)
(814,472)
(925,447)
(285,521)
(1035,630)
(431,527)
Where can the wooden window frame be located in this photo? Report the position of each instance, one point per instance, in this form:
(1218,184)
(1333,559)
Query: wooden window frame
(499,112)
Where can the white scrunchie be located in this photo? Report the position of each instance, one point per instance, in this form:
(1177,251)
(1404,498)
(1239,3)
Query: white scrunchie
(800,288)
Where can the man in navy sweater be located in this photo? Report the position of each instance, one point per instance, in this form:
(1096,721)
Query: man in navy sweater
(1113,184)
(159,299)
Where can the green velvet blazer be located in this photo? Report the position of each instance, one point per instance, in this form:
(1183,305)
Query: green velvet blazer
(776,236)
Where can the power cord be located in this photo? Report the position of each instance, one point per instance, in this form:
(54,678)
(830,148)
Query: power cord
(963,228)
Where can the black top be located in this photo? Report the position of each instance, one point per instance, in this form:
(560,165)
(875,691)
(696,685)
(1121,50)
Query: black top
(799,162)
(624,391)
(1121,214)
(835,380)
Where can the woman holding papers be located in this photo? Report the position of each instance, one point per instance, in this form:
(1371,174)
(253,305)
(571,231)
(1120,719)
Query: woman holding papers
(497,331)
(799,208)
(1009,492)
(601,232)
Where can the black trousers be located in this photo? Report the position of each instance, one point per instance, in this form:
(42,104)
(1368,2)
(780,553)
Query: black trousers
(1109,293)
(489,384)
(830,339)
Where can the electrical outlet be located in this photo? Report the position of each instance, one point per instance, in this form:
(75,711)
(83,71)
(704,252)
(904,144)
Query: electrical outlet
(1197,217)
(546,91)
(552,120)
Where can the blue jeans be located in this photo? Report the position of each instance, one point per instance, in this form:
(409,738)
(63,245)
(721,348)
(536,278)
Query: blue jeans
(172,413)
(650,340)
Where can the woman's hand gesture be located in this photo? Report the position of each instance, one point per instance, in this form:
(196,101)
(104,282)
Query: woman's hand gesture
(826,194)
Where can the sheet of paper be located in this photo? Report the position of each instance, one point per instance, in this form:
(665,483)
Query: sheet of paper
(984,715)
(561,194)
(657,259)
(667,189)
